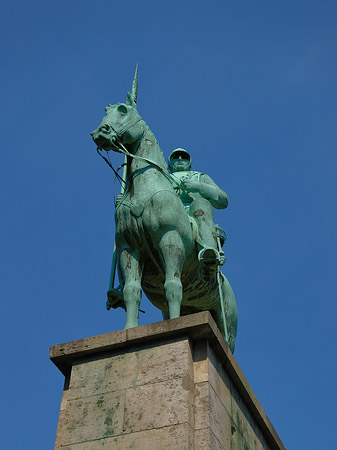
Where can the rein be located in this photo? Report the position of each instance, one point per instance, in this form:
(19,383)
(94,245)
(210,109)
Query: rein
(123,150)
(120,148)
(164,171)
(121,130)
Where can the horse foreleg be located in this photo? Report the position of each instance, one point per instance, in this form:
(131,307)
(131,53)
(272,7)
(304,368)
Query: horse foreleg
(132,291)
(172,252)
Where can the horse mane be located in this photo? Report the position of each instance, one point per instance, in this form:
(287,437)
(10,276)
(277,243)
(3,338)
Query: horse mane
(160,158)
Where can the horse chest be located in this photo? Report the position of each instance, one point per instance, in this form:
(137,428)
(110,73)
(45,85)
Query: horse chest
(125,220)
(128,228)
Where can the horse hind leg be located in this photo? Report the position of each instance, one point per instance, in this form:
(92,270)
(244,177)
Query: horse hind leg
(132,291)
(172,252)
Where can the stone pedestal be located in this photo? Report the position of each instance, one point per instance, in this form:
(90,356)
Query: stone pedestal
(171,385)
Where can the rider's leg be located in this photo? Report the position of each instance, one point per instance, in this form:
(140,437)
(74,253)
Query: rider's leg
(209,256)
(172,252)
(202,211)
(132,291)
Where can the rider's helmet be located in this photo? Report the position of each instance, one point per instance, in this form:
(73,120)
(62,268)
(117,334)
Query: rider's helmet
(177,154)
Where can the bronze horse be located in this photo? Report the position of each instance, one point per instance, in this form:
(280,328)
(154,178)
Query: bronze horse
(155,239)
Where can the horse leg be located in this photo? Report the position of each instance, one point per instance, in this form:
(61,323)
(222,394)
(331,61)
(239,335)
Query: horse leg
(172,252)
(132,291)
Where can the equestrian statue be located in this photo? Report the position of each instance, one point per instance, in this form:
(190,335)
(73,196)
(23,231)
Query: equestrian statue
(166,242)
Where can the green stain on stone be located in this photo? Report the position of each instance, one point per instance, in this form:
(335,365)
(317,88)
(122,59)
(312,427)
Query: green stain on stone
(109,432)
(108,421)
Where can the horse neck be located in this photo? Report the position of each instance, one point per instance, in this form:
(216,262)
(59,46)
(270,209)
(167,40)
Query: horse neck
(148,148)
(138,170)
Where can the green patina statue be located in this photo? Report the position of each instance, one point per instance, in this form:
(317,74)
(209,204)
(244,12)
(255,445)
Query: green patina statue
(199,193)
(166,240)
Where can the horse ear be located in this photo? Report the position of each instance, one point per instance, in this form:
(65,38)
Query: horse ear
(130,101)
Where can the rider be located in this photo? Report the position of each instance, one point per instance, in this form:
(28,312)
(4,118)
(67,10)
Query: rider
(199,194)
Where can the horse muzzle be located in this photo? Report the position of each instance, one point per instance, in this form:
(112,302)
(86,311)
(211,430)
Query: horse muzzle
(104,137)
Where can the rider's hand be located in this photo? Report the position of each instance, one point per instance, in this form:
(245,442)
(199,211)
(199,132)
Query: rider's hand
(191,186)
(205,190)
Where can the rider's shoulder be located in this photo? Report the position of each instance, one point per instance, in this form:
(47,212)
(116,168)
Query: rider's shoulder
(206,178)
(195,174)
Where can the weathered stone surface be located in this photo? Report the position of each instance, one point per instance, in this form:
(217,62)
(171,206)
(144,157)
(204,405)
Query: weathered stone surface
(178,388)
(207,368)
(219,380)
(244,424)
(90,418)
(158,405)
(194,323)
(144,365)
(204,439)
(211,414)
(178,437)
(197,326)
(64,354)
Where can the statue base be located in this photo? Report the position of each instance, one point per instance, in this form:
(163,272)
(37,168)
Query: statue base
(169,385)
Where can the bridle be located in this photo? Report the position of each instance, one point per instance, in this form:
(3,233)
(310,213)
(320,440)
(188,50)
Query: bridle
(120,148)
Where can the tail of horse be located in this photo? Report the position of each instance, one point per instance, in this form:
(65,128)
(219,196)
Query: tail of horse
(231,313)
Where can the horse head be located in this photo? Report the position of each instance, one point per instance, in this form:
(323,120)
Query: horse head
(121,123)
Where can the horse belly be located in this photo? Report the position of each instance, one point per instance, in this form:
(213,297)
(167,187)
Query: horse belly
(197,295)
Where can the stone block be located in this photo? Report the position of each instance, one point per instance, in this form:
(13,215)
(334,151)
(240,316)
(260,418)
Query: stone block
(90,418)
(200,361)
(235,426)
(246,429)
(201,406)
(219,380)
(210,414)
(158,405)
(164,361)
(207,367)
(94,376)
(63,355)
(195,323)
(144,365)
(178,437)
(204,439)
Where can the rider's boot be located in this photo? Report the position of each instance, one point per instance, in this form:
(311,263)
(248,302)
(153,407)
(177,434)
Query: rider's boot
(210,260)
(115,298)
(222,258)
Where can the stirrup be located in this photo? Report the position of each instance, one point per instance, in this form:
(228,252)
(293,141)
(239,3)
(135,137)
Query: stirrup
(222,258)
(115,298)
(209,262)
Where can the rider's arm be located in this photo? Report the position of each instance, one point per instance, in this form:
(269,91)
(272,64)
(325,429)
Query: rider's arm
(209,190)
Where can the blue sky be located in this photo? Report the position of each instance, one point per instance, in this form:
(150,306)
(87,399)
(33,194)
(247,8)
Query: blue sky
(249,88)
